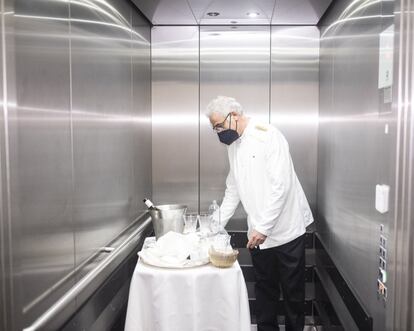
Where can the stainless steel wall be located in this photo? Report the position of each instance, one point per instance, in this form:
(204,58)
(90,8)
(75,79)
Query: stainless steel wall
(295,98)
(106,128)
(40,152)
(175,137)
(3,243)
(77,126)
(272,72)
(354,145)
(400,312)
(6,279)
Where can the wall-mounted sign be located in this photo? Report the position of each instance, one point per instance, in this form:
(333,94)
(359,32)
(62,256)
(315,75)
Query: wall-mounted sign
(386,54)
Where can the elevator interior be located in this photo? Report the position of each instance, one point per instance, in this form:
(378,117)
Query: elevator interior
(103,104)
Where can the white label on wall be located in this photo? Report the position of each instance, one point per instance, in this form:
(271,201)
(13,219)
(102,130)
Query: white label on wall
(386,54)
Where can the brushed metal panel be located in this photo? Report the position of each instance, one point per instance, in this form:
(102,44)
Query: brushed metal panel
(351,146)
(141,108)
(175,140)
(400,267)
(295,98)
(325,202)
(236,63)
(105,125)
(13,290)
(37,141)
(40,151)
(5,238)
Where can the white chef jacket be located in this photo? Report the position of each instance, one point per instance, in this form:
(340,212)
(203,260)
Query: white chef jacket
(263,178)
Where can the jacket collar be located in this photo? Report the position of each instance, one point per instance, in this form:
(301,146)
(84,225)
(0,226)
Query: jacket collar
(249,127)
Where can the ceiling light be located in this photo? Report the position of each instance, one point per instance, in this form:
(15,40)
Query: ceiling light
(253,14)
(213,14)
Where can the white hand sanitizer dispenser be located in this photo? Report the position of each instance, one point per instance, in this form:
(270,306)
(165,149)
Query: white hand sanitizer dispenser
(382,193)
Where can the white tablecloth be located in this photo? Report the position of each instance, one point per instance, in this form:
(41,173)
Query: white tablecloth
(204,298)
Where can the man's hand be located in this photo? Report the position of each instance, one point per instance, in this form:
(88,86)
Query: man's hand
(256,239)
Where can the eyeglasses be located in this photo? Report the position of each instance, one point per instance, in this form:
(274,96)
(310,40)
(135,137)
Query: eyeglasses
(220,126)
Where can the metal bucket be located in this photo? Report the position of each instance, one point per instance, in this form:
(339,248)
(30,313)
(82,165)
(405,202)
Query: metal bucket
(168,218)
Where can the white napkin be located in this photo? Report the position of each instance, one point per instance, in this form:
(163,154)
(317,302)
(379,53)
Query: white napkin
(172,248)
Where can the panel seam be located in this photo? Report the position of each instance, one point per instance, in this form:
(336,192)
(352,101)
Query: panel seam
(7,165)
(72,150)
(199,119)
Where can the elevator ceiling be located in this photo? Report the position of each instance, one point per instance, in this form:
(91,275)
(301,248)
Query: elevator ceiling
(227,12)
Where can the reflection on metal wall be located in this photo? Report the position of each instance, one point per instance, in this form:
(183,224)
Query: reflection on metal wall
(294,98)
(6,292)
(140,132)
(40,152)
(236,63)
(79,137)
(175,115)
(354,145)
(105,125)
(401,295)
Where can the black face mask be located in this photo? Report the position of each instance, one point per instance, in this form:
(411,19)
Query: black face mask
(228,136)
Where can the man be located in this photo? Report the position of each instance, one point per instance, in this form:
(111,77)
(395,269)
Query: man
(262,177)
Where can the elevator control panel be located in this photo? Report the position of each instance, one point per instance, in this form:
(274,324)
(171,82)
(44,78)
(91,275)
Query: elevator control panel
(382,265)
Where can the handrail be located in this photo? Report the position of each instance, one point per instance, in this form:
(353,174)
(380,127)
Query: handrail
(49,315)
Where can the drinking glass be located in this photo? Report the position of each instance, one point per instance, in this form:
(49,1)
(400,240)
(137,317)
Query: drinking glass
(222,242)
(205,223)
(190,223)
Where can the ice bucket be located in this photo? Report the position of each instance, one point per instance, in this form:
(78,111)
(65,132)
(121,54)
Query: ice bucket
(168,218)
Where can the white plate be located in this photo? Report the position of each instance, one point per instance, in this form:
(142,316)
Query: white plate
(151,260)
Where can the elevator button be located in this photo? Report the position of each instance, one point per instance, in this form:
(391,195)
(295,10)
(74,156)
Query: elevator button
(382,275)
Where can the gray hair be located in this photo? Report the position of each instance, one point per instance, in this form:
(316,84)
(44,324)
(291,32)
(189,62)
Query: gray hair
(223,106)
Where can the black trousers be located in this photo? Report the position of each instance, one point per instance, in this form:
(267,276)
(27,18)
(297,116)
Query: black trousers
(276,268)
